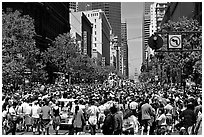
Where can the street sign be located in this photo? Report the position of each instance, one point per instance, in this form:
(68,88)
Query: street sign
(174,42)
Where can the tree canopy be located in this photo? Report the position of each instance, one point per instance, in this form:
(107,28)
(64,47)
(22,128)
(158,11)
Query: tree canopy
(180,64)
(19,52)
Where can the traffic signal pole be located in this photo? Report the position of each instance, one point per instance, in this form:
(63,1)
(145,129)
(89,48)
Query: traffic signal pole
(155,43)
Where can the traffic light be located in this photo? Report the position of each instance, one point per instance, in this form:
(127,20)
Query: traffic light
(143,68)
(155,42)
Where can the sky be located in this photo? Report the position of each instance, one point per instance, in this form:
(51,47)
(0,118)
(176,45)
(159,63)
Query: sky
(132,13)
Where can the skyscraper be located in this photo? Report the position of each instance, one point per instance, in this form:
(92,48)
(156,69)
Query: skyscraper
(112,11)
(146,29)
(73,6)
(100,35)
(124,46)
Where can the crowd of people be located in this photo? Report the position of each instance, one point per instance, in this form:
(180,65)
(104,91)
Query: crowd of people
(110,109)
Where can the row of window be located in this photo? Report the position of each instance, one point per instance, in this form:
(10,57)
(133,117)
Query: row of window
(92,14)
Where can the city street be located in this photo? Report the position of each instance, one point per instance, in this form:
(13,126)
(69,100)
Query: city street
(102,68)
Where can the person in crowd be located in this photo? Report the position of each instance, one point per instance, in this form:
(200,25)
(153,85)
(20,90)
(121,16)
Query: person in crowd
(93,113)
(134,106)
(12,119)
(117,120)
(108,124)
(161,122)
(45,116)
(78,120)
(188,118)
(147,112)
(56,117)
(35,117)
(198,125)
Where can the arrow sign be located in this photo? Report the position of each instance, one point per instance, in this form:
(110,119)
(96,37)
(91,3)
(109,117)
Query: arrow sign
(174,42)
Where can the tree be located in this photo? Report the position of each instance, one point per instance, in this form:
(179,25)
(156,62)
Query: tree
(182,64)
(19,51)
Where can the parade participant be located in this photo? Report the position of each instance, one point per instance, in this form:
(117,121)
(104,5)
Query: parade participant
(130,124)
(134,107)
(147,112)
(161,122)
(46,114)
(93,113)
(78,120)
(35,117)
(12,120)
(198,126)
(28,120)
(169,115)
(56,117)
(188,118)
(117,120)
(108,124)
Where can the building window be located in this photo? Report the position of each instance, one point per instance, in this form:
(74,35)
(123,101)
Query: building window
(95,20)
(95,44)
(9,9)
(95,26)
(95,32)
(88,15)
(95,39)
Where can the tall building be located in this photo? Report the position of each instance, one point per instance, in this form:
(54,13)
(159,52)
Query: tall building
(84,6)
(81,30)
(114,51)
(112,11)
(100,35)
(73,6)
(51,18)
(146,29)
(157,12)
(124,46)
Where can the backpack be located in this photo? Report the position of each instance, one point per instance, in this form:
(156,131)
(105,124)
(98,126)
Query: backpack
(108,125)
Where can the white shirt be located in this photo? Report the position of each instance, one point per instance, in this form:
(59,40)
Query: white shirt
(12,111)
(133,105)
(35,111)
(162,119)
(93,110)
(28,110)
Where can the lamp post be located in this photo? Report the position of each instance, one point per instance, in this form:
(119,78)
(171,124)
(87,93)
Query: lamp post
(160,58)
(26,81)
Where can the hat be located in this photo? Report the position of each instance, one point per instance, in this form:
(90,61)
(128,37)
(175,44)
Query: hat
(167,100)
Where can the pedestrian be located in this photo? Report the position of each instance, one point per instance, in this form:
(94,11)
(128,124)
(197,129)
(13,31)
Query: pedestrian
(117,120)
(56,117)
(46,114)
(108,125)
(161,122)
(188,118)
(78,120)
(93,113)
(147,112)
(28,120)
(12,120)
(36,117)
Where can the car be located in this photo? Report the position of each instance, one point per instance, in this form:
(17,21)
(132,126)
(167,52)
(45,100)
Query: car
(65,115)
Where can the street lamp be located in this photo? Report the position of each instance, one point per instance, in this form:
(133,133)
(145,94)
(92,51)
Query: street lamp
(26,80)
(160,58)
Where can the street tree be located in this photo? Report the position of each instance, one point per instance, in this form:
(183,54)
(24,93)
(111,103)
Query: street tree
(19,51)
(180,65)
